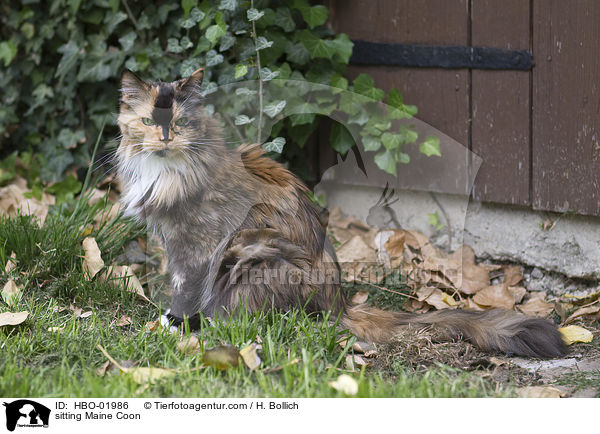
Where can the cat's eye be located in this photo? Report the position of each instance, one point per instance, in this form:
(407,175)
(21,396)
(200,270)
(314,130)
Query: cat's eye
(181,122)
(147,121)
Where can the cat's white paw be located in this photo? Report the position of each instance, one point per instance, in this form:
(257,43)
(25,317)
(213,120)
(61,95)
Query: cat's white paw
(164,321)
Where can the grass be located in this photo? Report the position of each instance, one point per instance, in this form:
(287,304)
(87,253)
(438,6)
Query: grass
(300,354)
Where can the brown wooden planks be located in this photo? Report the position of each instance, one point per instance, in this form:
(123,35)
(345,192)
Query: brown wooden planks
(566,106)
(501,105)
(441,95)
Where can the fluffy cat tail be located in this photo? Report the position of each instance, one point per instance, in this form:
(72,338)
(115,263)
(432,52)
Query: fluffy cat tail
(496,330)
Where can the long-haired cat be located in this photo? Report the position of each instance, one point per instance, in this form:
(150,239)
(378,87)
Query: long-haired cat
(240,230)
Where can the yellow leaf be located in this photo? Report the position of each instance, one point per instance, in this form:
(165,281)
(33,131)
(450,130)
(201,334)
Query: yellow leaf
(141,375)
(221,357)
(345,384)
(92,260)
(189,345)
(540,392)
(250,357)
(10,318)
(573,333)
(11,293)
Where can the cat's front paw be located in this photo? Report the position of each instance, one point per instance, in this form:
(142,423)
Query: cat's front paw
(168,321)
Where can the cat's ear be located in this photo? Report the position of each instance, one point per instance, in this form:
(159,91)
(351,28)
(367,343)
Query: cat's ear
(193,81)
(131,85)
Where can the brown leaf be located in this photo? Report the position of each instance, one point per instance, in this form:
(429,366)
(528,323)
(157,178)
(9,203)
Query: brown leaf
(540,392)
(189,346)
(120,273)
(354,360)
(222,357)
(495,296)
(474,279)
(76,310)
(11,263)
(360,297)
(250,356)
(356,250)
(10,318)
(141,375)
(92,261)
(513,275)
(13,201)
(102,369)
(124,321)
(416,306)
(85,314)
(536,305)
(152,326)
(395,244)
(436,298)
(11,292)
(471,305)
(518,293)
(587,310)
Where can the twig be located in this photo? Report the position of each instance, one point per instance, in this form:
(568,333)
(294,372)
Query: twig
(386,289)
(131,17)
(260,83)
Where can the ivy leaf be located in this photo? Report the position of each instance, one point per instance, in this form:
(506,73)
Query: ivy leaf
(284,19)
(214,32)
(339,82)
(70,54)
(395,99)
(8,51)
(243,120)
(343,48)
(274,108)
(173,46)
(385,161)
(244,91)
(254,14)
(364,85)
(276,145)
(266,74)
(297,53)
(187,5)
(228,5)
(431,146)
(262,43)
(227,41)
(186,43)
(339,48)
(314,15)
(434,220)
(371,143)
(212,58)
(127,40)
(340,138)
(240,71)
(391,141)
(113,20)
(188,66)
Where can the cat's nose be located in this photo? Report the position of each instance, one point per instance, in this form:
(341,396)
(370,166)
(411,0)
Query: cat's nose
(165,134)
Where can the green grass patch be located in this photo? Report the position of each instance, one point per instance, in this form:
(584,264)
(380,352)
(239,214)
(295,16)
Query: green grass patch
(300,353)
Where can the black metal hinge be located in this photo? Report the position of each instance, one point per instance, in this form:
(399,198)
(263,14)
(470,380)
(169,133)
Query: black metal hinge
(431,56)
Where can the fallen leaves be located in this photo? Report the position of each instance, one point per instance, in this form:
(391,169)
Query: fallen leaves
(189,346)
(540,392)
(573,333)
(141,375)
(124,273)
(221,357)
(345,384)
(13,318)
(92,261)
(250,356)
(495,296)
(537,305)
(11,293)
(14,200)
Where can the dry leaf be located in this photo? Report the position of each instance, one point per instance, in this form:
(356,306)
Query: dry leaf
(345,384)
(76,310)
(13,201)
(573,333)
(250,357)
(474,278)
(394,246)
(360,297)
(436,298)
(11,293)
(221,357)
(416,306)
(471,305)
(513,275)
(495,296)
(118,273)
(537,306)
(587,310)
(354,360)
(540,392)
(124,321)
(356,250)
(85,314)
(92,260)
(152,326)
(11,263)
(102,369)
(141,375)
(56,329)
(189,346)
(10,318)
(518,293)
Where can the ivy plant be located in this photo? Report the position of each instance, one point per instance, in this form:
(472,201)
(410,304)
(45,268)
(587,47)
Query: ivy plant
(61,61)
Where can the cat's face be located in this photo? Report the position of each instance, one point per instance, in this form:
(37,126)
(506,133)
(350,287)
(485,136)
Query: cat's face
(164,120)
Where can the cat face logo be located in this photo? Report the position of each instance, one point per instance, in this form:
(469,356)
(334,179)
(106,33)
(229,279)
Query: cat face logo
(26,413)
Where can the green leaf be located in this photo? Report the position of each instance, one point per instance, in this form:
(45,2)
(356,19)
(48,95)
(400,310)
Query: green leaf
(431,146)
(371,143)
(127,40)
(274,108)
(339,48)
(340,138)
(113,20)
(343,48)
(212,58)
(364,85)
(70,54)
(391,141)
(227,41)
(187,5)
(385,161)
(243,120)
(297,53)
(434,220)
(262,43)
(314,15)
(8,51)
(339,82)
(214,32)
(173,46)
(228,5)
(284,19)
(254,14)
(240,70)
(244,91)
(394,99)
(276,145)
(266,74)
